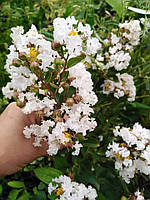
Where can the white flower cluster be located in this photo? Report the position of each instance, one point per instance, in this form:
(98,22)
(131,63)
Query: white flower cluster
(122,44)
(131,31)
(76,117)
(124,86)
(138,195)
(118,56)
(33,46)
(31,57)
(75,36)
(133,154)
(65,189)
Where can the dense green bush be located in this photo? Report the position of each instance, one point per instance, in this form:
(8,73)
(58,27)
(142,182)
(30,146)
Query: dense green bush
(103,16)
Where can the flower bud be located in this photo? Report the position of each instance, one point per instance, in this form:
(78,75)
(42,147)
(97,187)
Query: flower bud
(77,98)
(21,104)
(70,102)
(34,64)
(71,175)
(65,117)
(16,62)
(56,113)
(22,56)
(66,85)
(114,30)
(58,119)
(55,45)
(70,79)
(58,62)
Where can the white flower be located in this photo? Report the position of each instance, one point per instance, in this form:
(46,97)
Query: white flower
(133,35)
(133,155)
(93,45)
(124,86)
(69,190)
(77,147)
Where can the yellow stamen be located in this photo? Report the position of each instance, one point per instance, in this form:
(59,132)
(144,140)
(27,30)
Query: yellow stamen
(67,135)
(118,156)
(59,191)
(128,157)
(88,64)
(33,52)
(123,83)
(73,33)
(107,86)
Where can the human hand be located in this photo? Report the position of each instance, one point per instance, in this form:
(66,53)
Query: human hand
(15,150)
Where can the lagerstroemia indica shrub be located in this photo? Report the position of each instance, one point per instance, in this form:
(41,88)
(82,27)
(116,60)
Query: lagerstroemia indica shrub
(52,79)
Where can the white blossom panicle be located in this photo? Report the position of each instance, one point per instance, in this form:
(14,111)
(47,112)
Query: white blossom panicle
(64,188)
(77,119)
(32,62)
(132,155)
(124,86)
(131,31)
(120,44)
(76,39)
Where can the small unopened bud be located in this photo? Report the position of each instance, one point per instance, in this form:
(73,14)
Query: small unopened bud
(65,117)
(71,175)
(58,62)
(109,37)
(77,98)
(114,30)
(55,45)
(21,104)
(66,85)
(29,45)
(16,62)
(22,56)
(56,112)
(58,119)
(107,58)
(122,29)
(70,79)
(70,102)
(34,64)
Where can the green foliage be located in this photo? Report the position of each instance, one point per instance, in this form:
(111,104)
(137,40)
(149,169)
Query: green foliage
(13,194)
(76,60)
(16,184)
(46,174)
(117,6)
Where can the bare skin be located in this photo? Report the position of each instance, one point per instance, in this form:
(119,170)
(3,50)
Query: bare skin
(15,150)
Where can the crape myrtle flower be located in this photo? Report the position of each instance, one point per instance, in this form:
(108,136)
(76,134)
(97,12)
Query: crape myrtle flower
(64,188)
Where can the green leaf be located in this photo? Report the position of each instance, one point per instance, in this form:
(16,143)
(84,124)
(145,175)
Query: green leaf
(65,76)
(24,196)
(54,86)
(48,35)
(61,163)
(1,189)
(13,194)
(117,5)
(41,186)
(75,60)
(101,196)
(139,105)
(16,184)
(91,143)
(46,174)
